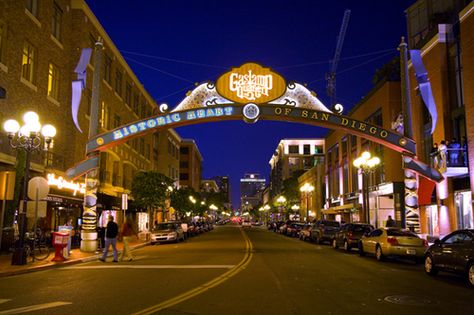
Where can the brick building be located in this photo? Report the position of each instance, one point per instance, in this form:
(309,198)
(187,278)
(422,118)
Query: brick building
(40,45)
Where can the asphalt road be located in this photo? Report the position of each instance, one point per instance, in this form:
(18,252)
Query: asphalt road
(230,271)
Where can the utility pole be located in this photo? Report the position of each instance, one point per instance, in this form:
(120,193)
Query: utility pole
(89,217)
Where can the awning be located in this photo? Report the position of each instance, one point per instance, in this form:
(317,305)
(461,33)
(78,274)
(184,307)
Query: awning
(338,209)
(425,191)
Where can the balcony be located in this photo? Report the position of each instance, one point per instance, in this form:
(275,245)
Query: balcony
(456,162)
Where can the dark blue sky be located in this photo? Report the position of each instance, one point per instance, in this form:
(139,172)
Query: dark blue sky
(197,41)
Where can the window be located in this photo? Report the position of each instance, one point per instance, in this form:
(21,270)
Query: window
(306,149)
(293,149)
(107,68)
(118,82)
(147,151)
(318,149)
(28,62)
(128,93)
(3,38)
(142,146)
(184,164)
(184,150)
(183,176)
(136,102)
(32,6)
(57,18)
(117,121)
(53,81)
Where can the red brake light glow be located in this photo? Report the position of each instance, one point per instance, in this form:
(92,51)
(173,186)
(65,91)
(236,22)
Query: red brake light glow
(392,241)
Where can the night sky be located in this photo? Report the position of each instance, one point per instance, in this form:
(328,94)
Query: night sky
(172,44)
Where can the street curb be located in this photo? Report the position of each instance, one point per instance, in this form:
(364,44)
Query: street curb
(65,263)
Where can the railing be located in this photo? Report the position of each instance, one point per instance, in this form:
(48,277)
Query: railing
(454,158)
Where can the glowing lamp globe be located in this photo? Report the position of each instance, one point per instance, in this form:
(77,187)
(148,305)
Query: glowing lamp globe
(30,118)
(49,131)
(11,126)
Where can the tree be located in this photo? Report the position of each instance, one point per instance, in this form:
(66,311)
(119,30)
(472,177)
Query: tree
(149,189)
(290,188)
(180,200)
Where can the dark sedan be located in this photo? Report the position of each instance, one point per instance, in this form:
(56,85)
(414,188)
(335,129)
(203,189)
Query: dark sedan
(453,253)
(349,235)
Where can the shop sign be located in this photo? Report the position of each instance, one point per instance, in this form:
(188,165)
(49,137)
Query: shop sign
(251,83)
(61,183)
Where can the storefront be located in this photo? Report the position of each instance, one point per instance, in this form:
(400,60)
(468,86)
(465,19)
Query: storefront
(464,213)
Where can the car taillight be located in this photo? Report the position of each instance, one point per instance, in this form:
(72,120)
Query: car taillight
(425,243)
(392,241)
(349,235)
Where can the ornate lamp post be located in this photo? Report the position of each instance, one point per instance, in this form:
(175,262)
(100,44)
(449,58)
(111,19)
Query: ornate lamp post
(27,138)
(281,200)
(307,189)
(367,165)
(295,208)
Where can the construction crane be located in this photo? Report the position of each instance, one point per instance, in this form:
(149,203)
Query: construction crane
(331,76)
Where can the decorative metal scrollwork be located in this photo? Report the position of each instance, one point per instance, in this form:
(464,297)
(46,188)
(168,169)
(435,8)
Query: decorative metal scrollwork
(211,85)
(212,101)
(289,102)
(291,85)
(338,108)
(163,108)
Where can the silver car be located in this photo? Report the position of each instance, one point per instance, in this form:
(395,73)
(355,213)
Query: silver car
(167,232)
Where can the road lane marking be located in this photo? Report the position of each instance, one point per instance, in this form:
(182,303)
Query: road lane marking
(206,286)
(33,308)
(152,267)
(4,300)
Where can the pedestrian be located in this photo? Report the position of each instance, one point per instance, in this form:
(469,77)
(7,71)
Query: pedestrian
(390,222)
(111,232)
(443,152)
(454,148)
(435,155)
(464,150)
(127,231)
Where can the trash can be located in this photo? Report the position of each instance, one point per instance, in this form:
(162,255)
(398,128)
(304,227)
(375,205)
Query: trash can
(60,241)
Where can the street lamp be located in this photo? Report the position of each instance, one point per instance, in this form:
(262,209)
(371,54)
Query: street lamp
(307,189)
(281,200)
(28,138)
(367,165)
(295,208)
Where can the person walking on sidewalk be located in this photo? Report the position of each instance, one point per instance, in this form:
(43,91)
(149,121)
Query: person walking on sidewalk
(127,231)
(111,232)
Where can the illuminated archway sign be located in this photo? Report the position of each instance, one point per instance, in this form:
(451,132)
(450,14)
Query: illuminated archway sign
(252,92)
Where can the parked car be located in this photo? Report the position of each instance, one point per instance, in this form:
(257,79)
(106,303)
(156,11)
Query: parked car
(349,235)
(293,229)
(454,253)
(246,224)
(167,232)
(324,230)
(398,242)
(305,233)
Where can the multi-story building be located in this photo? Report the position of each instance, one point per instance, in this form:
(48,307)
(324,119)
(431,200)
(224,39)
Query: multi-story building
(292,155)
(190,161)
(224,187)
(443,31)
(40,45)
(166,156)
(251,189)
(344,186)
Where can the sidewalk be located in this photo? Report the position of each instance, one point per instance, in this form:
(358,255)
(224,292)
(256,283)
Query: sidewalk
(76,256)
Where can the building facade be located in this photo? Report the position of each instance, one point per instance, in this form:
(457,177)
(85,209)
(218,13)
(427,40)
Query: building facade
(344,185)
(190,165)
(251,189)
(40,45)
(292,155)
(443,32)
